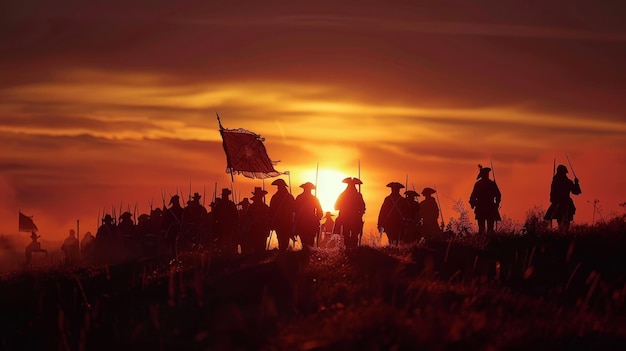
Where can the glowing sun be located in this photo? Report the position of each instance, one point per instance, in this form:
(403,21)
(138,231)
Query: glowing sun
(329,186)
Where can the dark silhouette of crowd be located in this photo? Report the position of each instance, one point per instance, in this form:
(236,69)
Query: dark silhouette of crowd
(229,228)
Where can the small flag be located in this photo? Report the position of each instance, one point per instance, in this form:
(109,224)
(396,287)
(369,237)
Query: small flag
(26,223)
(246,154)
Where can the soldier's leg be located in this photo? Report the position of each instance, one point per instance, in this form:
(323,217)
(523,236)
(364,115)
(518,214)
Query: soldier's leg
(490,223)
(481,226)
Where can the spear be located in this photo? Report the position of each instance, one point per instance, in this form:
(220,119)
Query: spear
(493,170)
(554,167)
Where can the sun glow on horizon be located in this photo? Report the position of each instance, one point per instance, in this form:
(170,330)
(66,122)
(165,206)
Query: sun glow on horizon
(329,186)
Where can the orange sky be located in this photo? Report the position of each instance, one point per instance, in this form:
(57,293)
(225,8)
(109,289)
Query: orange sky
(107,103)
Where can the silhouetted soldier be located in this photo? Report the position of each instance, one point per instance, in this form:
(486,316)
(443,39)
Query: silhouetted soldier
(255,223)
(351,208)
(70,248)
(281,214)
(87,247)
(429,213)
(153,233)
(561,204)
(226,220)
(34,246)
(393,213)
(172,224)
(485,200)
(413,221)
(194,216)
(327,227)
(308,214)
(128,235)
(106,240)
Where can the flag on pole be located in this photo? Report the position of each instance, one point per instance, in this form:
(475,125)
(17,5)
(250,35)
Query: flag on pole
(246,154)
(26,223)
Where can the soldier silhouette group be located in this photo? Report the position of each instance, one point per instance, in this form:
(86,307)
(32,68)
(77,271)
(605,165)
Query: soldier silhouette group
(247,227)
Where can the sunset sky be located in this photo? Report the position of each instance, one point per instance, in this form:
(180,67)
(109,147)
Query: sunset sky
(105,103)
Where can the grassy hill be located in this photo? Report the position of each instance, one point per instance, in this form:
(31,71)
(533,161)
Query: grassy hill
(499,293)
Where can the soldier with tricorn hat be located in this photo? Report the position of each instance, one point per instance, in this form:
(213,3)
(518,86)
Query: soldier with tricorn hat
(351,207)
(561,204)
(282,213)
(413,225)
(485,200)
(255,223)
(429,213)
(393,214)
(308,213)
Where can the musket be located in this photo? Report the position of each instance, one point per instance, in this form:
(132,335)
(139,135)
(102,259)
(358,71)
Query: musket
(554,167)
(493,170)
(439,205)
(570,165)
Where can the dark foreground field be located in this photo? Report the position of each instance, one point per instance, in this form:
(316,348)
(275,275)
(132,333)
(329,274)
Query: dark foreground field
(505,293)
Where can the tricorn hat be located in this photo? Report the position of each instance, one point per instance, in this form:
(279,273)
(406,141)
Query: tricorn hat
(482,171)
(428,191)
(258,192)
(411,193)
(328,214)
(307,185)
(196,196)
(350,180)
(395,185)
(279,182)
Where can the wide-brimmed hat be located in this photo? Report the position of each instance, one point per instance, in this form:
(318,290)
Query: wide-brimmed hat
(126,215)
(258,192)
(226,191)
(308,185)
(196,196)
(561,169)
(428,191)
(107,218)
(279,182)
(411,193)
(395,185)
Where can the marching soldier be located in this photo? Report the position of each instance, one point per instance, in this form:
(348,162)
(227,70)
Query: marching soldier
(281,214)
(429,213)
(393,214)
(485,200)
(255,223)
(413,221)
(308,214)
(226,218)
(351,207)
(561,204)
(70,248)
